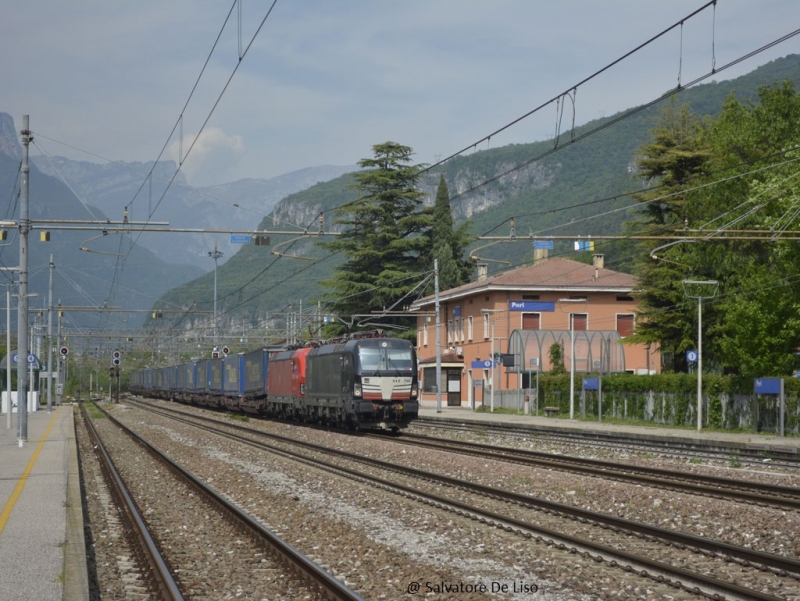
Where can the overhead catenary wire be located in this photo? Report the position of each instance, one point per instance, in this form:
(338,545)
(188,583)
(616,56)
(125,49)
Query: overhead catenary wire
(574,87)
(487,141)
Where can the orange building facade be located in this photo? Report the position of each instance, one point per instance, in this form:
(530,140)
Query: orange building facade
(516,317)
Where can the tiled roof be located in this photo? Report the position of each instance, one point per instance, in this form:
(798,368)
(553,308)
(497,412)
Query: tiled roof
(553,274)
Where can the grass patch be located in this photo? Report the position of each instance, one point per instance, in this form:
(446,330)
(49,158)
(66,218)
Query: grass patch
(734,461)
(94,412)
(240,417)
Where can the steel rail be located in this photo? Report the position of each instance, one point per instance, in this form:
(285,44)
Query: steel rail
(651,568)
(744,490)
(744,451)
(308,570)
(160,572)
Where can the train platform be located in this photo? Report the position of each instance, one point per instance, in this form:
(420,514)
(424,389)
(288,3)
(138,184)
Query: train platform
(710,439)
(42,545)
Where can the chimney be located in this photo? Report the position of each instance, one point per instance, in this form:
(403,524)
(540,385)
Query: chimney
(483,271)
(598,261)
(539,255)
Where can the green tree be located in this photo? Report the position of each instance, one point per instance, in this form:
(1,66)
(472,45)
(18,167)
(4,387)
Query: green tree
(384,237)
(756,332)
(675,160)
(556,355)
(448,245)
(750,328)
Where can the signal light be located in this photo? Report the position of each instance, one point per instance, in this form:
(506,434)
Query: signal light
(115,357)
(225,350)
(64,351)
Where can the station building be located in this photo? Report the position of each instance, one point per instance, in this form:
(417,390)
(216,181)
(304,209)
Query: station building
(516,317)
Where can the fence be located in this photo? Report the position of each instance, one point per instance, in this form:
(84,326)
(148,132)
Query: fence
(723,410)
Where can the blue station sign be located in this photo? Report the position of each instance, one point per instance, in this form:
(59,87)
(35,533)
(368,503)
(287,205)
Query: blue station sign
(591,383)
(767,386)
(531,306)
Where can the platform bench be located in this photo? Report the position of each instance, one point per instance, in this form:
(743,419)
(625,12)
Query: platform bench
(548,411)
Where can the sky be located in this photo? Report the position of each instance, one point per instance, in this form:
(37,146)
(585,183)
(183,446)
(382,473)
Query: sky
(322,82)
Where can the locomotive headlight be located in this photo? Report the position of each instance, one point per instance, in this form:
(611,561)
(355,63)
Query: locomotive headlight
(414,391)
(357,389)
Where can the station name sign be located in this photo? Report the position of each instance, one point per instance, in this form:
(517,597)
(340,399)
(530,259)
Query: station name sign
(531,306)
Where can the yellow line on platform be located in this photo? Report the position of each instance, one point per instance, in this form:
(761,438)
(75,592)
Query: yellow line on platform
(24,479)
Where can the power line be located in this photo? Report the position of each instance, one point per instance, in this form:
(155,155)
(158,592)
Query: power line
(574,88)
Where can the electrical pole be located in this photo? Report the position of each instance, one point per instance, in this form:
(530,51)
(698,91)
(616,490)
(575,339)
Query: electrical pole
(438,340)
(215,254)
(50,338)
(22,315)
(699,296)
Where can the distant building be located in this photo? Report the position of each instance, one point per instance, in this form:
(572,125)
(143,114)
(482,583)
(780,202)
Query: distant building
(517,316)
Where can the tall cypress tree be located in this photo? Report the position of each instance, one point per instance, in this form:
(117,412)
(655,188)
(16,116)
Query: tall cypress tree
(384,238)
(448,245)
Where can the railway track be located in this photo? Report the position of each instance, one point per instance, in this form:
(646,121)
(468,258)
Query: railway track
(776,455)
(622,544)
(257,550)
(757,493)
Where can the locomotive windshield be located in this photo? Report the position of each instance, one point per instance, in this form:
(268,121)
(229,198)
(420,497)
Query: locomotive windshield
(386,359)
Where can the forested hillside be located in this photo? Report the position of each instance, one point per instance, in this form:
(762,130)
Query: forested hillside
(582,188)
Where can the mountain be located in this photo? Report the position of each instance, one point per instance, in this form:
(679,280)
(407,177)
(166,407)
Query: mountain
(238,205)
(112,270)
(553,187)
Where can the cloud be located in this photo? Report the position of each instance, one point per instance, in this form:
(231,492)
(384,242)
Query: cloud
(207,159)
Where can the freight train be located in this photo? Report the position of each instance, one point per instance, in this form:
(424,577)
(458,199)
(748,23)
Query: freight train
(362,383)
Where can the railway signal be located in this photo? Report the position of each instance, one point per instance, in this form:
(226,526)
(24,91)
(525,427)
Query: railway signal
(115,357)
(64,351)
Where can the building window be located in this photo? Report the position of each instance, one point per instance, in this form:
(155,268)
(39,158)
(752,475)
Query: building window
(469,328)
(429,380)
(579,321)
(624,299)
(530,321)
(449,331)
(625,325)
(486,326)
(425,335)
(530,297)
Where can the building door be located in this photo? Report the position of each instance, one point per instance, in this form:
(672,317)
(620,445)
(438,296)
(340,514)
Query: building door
(453,387)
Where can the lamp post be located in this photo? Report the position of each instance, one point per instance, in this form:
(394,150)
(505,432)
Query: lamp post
(8,355)
(438,338)
(561,303)
(216,255)
(714,284)
(494,364)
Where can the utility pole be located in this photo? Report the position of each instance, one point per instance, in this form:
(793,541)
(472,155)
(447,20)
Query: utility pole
(8,355)
(215,254)
(564,303)
(22,315)
(713,284)
(50,338)
(438,340)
